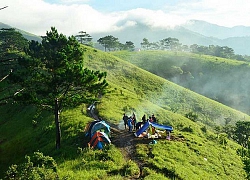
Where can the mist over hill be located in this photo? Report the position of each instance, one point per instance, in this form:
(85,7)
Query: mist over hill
(220,79)
(192,32)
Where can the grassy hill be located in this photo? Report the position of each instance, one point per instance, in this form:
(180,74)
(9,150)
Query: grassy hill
(195,152)
(224,80)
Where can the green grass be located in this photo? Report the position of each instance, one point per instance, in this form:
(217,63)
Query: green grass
(183,158)
(131,89)
(223,80)
(135,85)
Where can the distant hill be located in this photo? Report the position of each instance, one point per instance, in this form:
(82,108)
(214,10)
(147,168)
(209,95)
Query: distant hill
(25,34)
(193,32)
(214,30)
(139,31)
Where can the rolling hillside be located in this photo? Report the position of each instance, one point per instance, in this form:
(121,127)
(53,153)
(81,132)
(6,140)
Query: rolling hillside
(195,152)
(224,80)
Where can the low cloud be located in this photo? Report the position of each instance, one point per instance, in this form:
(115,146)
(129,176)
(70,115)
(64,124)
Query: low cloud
(37,17)
(72,16)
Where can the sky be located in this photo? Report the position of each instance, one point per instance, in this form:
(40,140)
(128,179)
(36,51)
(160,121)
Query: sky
(93,16)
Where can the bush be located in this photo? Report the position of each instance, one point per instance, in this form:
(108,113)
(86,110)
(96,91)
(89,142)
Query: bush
(188,129)
(204,129)
(192,116)
(37,167)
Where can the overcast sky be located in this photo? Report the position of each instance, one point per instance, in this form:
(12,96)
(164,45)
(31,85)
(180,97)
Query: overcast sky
(72,16)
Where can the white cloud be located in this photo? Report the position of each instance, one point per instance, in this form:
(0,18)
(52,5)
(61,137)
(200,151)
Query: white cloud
(37,16)
(152,18)
(222,12)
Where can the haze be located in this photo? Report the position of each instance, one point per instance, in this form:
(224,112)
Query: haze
(93,16)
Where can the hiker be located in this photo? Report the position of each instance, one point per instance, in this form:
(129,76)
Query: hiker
(125,120)
(150,119)
(153,118)
(130,125)
(134,120)
(143,119)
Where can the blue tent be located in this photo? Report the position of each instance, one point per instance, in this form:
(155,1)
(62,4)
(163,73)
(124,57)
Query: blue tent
(89,127)
(148,124)
(98,126)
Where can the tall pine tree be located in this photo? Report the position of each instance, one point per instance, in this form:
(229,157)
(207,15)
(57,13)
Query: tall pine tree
(52,75)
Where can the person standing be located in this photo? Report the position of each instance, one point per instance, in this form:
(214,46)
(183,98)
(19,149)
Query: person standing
(144,119)
(134,120)
(125,120)
(130,125)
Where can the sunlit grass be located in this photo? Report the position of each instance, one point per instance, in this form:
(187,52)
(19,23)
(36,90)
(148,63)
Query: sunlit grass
(131,89)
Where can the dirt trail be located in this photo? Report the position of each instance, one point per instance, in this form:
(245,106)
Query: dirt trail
(124,140)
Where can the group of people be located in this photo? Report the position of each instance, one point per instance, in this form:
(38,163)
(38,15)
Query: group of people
(132,123)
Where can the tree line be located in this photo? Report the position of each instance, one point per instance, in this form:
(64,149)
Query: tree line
(111,43)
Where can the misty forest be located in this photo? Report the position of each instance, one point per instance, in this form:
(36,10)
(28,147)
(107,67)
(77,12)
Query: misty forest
(63,103)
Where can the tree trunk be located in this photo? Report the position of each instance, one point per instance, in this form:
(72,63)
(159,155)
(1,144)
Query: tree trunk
(57,122)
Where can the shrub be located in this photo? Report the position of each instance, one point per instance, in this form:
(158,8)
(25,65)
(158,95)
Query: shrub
(37,167)
(223,139)
(188,129)
(192,116)
(204,129)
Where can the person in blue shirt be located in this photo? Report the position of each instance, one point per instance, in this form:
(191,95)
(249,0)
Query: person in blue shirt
(130,125)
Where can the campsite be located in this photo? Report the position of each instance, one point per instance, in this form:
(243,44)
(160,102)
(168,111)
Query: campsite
(127,157)
(63,100)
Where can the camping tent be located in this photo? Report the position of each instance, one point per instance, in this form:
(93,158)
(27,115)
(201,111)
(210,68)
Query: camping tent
(100,126)
(99,139)
(89,126)
(151,124)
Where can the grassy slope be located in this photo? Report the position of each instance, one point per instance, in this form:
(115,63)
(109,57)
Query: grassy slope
(224,80)
(165,94)
(131,89)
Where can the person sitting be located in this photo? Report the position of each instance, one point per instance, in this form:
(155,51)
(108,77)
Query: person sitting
(153,118)
(150,119)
